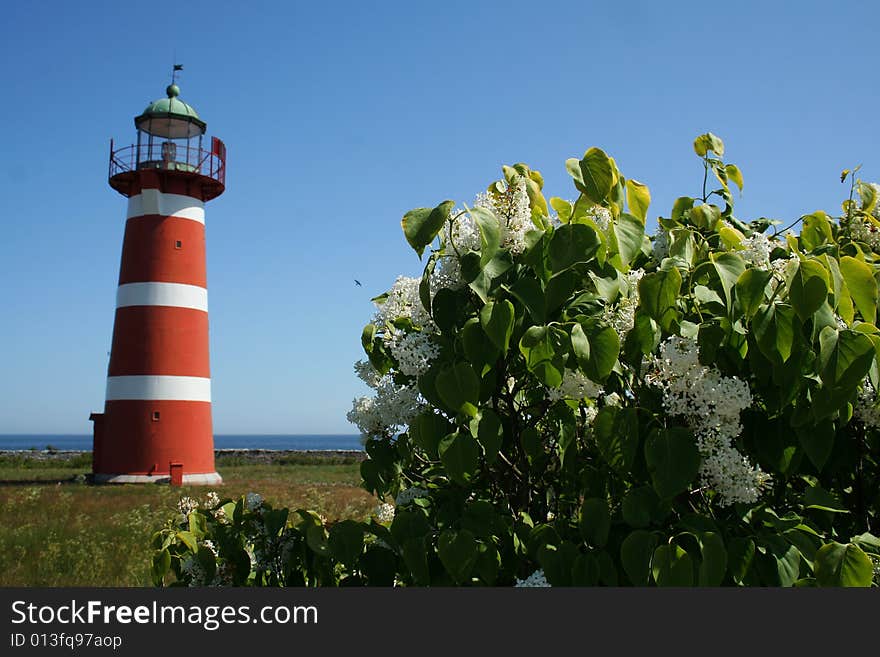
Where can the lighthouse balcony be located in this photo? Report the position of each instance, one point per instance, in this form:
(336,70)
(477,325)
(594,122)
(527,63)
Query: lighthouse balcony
(208,168)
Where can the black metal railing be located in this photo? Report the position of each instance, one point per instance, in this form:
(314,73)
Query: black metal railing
(171,156)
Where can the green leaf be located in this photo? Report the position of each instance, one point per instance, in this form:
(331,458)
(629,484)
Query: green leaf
(862,286)
(409,525)
(629,233)
(734,174)
(708,142)
(563,208)
(672,566)
(478,348)
(161,564)
(817,441)
(415,556)
(842,565)
(458,552)
(673,460)
(681,205)
(616,431)
(528,291)
(597,352)
(490,233)
(638,198)
(658,294)
(487,278)
(595,521)
(593,174)
(427,430)
(750,288)
(379,565)
(714,563)
(572,244)
(774,330)
(544,348)
(808,289)
(530,440)
(706,216)
(816,230)
(489,432)
(316,539)
(740,552)
(420,226)
(636,552)
(729,268)
(188,540)
(496,318)
(445,309)
(459,388)
(844,358)
(639,506)
(460,456)
(346,542)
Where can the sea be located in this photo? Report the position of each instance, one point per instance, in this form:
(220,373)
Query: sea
(296,442)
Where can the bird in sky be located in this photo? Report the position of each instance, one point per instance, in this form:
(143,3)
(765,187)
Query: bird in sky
(357,282)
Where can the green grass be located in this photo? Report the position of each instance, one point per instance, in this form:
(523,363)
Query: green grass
(57,530)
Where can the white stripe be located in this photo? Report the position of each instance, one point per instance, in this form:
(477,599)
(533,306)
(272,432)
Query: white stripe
(178,295)
(152,201)
(209,479)
(157,388)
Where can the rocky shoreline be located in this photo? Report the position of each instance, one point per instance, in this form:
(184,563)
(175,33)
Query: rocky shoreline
(239,455)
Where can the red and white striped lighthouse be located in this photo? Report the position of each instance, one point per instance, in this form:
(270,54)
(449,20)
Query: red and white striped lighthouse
(156,424)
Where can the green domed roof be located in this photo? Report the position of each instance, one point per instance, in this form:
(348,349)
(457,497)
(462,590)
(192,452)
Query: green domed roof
(170,117)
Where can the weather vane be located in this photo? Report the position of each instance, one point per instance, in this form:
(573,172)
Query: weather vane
(177,67)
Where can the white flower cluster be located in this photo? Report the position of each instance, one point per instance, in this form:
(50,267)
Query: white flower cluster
(512,208)
(253,501)
(406,496)
(860,228)
(393,407)
(403,301)
(384,512)
(414,352)
(756,250)
(711,405)
(863,230)
(186,505)
(575,385)
(535,580)
(367,373)
(601,216)
(621,315)
(660,245)
(866,410)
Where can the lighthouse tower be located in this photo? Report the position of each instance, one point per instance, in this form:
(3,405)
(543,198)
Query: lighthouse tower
(156,424)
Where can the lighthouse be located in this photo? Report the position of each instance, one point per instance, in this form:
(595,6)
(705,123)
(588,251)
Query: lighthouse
(156,425)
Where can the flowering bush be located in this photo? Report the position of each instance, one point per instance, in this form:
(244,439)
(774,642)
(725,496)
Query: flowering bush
(561,399)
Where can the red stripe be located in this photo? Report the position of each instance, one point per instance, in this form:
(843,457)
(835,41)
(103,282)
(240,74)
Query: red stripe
(160,340)
(149,251)
(169,182)
(134,443)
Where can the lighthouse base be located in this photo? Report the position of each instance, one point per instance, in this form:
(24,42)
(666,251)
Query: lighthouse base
(202,479)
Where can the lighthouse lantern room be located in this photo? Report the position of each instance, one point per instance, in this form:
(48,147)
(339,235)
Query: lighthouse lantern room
(156,424)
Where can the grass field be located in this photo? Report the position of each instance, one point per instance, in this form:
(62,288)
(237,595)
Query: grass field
(58,530)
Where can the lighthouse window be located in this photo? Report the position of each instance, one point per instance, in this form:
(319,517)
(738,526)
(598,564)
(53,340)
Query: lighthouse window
(178,244)
(155,416)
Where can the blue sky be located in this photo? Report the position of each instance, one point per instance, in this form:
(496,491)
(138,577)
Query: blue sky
(340,117)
